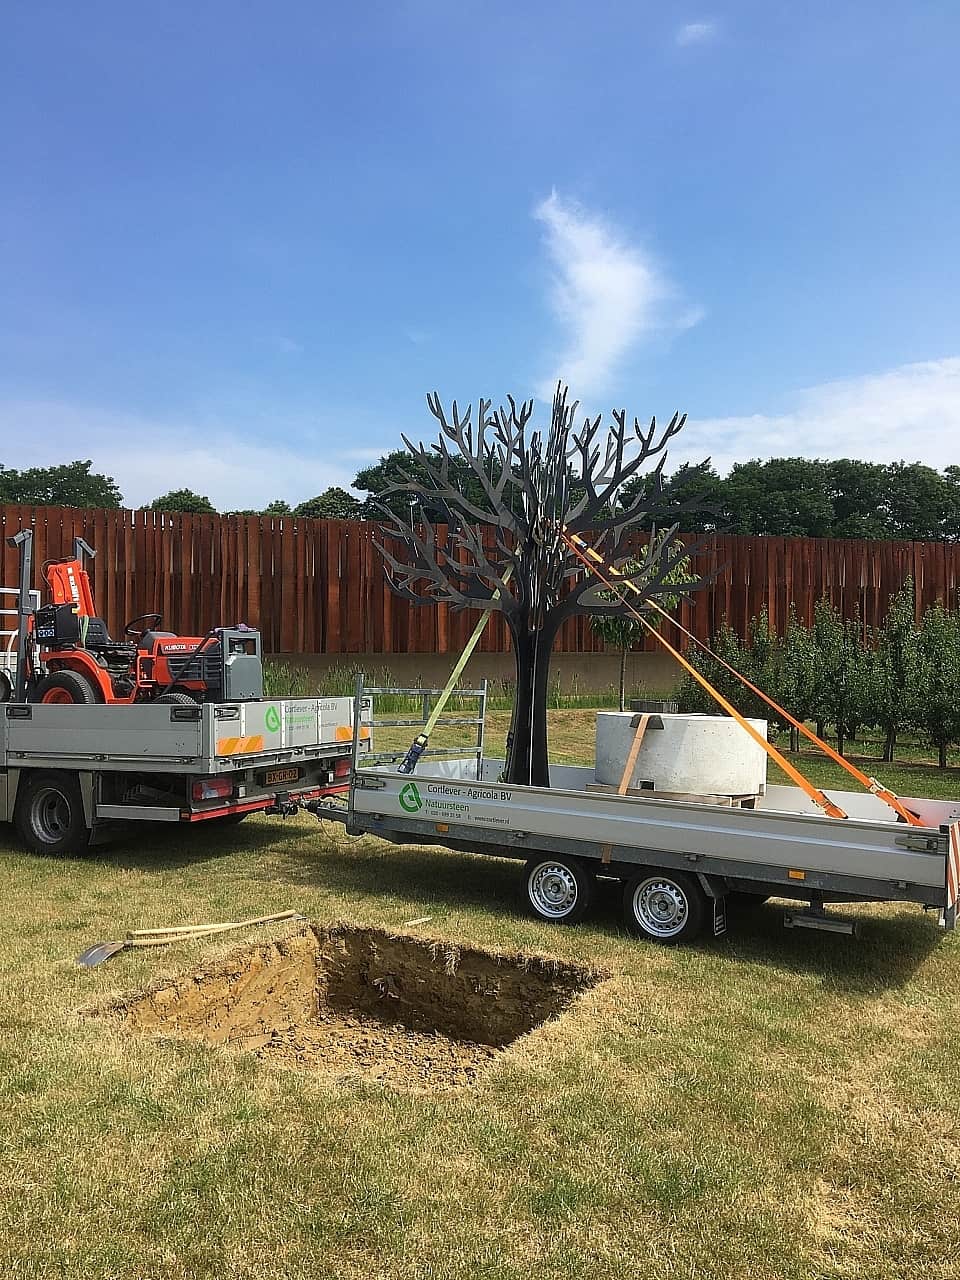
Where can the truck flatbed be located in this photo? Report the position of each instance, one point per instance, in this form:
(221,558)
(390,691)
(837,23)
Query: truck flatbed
(68,771)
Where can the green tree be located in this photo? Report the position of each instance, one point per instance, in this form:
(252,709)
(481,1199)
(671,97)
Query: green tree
(184,501)
(71,484)
(894,669)
(951,476)
(397,467)
(936,711)
(843,684)
(920,502)
(728,646)
(333,504)
(858,493)
(798,673)
(785,496)
(278,507)
(700,485)
(623,632)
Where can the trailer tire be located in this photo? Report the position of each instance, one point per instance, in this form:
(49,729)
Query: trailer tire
(668,907)
(66,686)
(559,889)
(49,815)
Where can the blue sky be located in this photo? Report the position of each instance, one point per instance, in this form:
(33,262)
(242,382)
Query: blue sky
(239,243)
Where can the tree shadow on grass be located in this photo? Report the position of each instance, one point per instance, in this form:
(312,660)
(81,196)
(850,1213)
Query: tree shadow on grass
(886,955)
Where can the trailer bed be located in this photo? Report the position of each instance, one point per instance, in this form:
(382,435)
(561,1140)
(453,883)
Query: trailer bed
(785,843)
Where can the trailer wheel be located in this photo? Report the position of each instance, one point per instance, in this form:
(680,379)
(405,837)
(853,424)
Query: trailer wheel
(664,906)
(66,687)
(559,890)
(49,815)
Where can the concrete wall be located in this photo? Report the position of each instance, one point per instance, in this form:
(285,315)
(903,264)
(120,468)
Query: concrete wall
(652,672)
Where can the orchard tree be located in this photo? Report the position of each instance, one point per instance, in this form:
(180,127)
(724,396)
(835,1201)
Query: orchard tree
(623,631)
(894,669)
(936,710)
(842,687)
(504,546)
(798,673)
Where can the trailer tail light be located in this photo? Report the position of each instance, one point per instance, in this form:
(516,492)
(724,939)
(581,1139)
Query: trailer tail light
(212,789)
(341,768)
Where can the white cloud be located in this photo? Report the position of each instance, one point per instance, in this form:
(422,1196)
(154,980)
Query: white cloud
(607,294)
(911,412)
(696,33)
(147,456)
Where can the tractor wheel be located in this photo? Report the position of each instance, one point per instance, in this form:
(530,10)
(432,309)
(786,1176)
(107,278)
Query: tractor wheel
(49,815)
(6,688)
(65,687)
(179,697)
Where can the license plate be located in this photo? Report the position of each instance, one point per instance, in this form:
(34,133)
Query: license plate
(272,776)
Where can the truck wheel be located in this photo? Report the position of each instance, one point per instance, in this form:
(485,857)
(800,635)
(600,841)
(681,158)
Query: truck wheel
(664,906)
(559,889)
(66,687)
(49,815)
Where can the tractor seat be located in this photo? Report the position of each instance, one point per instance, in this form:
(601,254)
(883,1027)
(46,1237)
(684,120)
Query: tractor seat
(148,640)
(98,638)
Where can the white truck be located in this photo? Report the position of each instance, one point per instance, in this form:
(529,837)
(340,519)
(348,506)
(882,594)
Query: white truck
(70,773)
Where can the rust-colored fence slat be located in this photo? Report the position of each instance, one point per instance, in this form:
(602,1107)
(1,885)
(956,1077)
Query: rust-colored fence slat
(317,586)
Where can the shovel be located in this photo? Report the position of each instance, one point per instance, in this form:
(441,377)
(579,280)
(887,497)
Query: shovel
(101,951)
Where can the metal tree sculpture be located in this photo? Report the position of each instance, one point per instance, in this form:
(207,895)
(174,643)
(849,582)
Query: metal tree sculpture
(526,486)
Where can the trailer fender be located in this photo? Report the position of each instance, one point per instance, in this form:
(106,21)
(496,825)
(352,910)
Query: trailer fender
(715,887)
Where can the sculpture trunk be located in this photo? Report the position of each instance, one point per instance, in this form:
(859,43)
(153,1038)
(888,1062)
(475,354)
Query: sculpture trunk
(527,742)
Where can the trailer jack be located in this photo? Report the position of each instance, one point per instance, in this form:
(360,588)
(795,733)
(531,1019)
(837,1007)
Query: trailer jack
(814,917)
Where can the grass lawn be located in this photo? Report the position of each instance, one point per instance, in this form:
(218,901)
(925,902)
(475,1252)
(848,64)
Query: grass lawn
(772,1104)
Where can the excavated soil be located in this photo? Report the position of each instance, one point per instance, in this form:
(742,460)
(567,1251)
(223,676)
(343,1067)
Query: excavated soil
(352,1001)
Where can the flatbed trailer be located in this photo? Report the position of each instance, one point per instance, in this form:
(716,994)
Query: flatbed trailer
(70,773)
(679,860)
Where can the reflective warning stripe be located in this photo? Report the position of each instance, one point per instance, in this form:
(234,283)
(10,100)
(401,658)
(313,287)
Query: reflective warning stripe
(953,866)
(239,746)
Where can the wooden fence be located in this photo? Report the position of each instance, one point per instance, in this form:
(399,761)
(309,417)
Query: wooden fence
(317,586)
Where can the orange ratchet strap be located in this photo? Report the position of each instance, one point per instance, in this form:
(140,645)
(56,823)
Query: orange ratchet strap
(816,795)
(871,784)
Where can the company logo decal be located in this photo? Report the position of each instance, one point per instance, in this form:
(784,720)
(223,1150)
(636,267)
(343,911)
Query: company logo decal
(410,798)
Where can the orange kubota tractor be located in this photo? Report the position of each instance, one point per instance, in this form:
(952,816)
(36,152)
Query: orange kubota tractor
(71,658)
